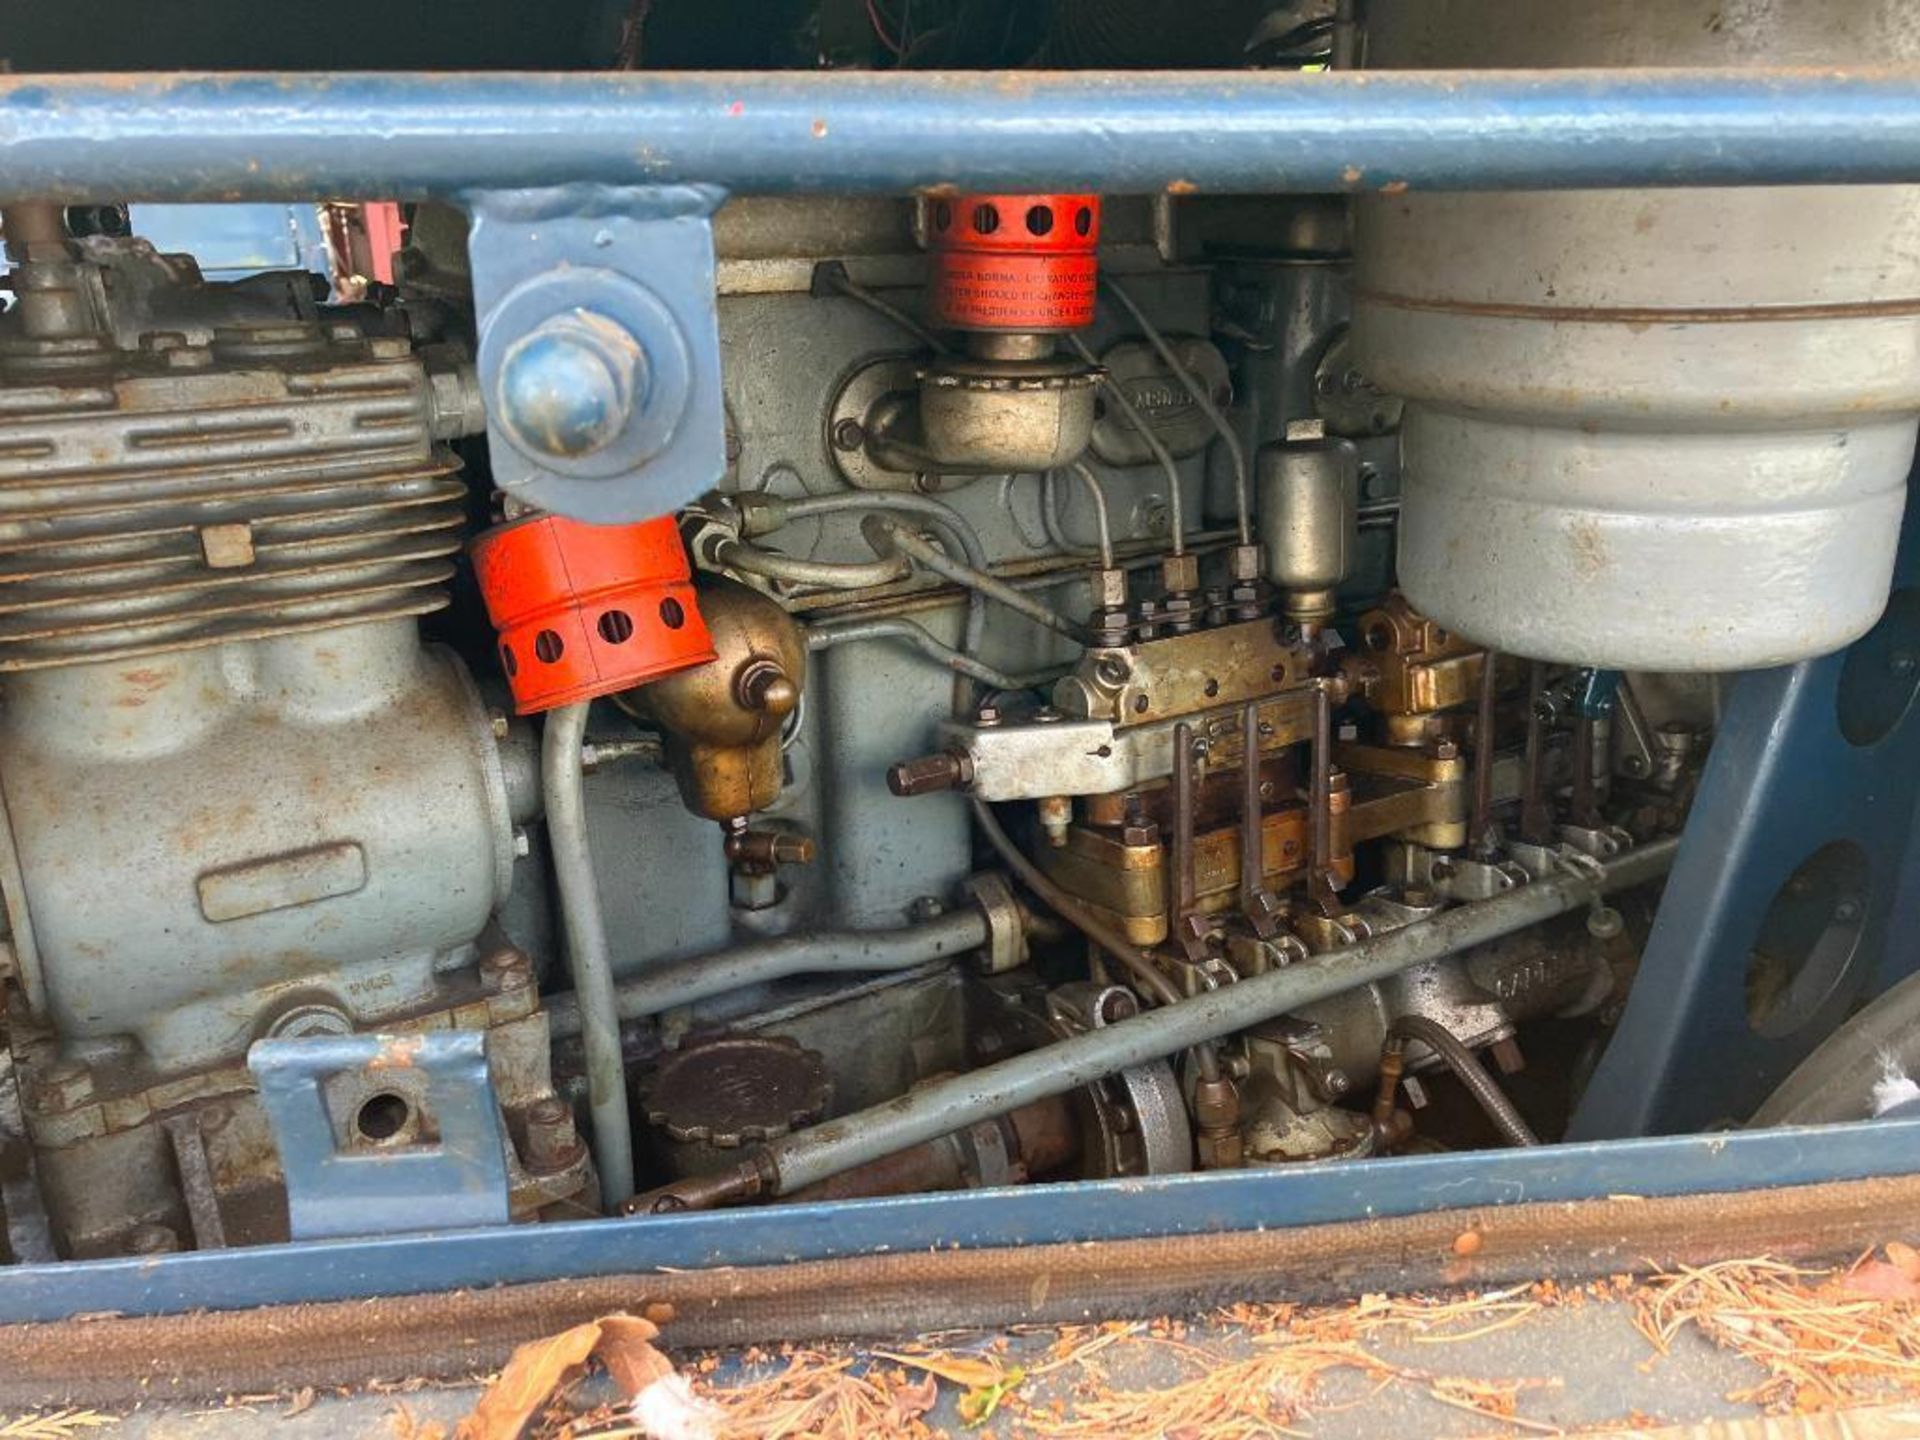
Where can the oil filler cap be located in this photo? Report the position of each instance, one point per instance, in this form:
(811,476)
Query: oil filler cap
(734,1090)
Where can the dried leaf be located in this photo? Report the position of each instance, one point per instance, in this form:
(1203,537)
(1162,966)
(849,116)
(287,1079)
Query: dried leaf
(541,1368)
(301,1403)
(627,1351)
(1881,1281)
(1905,1257)
(910,1400)
(968,1370)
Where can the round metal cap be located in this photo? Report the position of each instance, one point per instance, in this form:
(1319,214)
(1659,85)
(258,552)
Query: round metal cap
(735,1090)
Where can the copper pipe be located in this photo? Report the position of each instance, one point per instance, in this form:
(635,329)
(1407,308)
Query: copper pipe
(1045,1138)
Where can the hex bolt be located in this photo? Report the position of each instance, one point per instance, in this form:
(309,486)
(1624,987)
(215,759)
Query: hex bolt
(569,386)
(552,1141)
(1604,922)
(506,969)
(499,724)
(788,849)
(152,1240)
(849,435)
(522,845)
(1506,1055)
(930,774)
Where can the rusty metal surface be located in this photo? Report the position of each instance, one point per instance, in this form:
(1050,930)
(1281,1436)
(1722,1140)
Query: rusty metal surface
(91,1360)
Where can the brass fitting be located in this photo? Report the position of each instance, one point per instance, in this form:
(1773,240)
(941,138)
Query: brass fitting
(1216,1110)
(723,719)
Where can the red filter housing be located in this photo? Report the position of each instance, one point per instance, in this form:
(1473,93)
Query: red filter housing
(1018,263)
(585,610)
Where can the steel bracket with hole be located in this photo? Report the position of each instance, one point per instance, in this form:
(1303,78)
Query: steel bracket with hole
(599,353)
(443,1163)
(1794,895)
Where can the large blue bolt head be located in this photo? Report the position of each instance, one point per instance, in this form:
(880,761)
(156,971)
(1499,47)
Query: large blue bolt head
(569,386)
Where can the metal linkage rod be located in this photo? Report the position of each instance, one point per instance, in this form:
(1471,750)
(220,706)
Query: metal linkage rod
(700,977)
(302,136)
(942,1106)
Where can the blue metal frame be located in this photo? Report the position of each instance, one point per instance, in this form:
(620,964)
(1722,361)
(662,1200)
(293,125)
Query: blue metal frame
(332,1190)
(462,137)
(1783,782)
(638,262)
(406,136)
(1216,1203)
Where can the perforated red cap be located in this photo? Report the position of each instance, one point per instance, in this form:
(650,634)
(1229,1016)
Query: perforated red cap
(585,610)
(1022,263)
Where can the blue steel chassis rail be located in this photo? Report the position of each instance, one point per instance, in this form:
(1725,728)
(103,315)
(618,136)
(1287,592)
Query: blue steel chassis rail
(404,136)
(465,137)
(1179,1205)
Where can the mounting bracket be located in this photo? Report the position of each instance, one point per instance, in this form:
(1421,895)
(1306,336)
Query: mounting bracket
(444,1166)
(599,346)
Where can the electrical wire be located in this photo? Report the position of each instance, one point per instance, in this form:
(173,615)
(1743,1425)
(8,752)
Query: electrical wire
(1242,492)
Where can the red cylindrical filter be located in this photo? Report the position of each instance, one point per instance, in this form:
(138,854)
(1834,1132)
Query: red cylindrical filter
(585,610)
(1021,263)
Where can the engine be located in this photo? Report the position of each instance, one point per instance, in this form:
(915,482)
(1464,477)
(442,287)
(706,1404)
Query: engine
(1140,683)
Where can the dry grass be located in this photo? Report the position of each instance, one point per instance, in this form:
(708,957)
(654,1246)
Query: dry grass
(55,1425)
(1826,1338)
